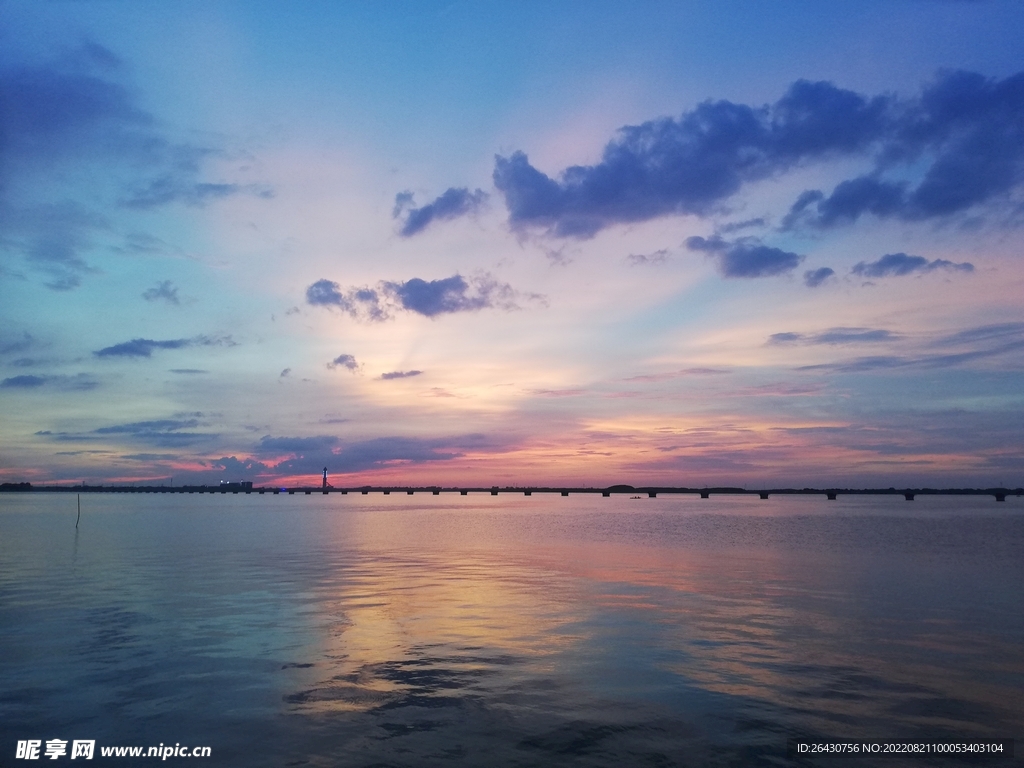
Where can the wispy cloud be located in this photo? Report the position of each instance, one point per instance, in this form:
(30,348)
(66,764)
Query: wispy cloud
(76,112)
(310,454)
(900,264)
(836,336)
(815,277)
(453,203)
(145,347)
(652,377)
(399,375)
(164,290)
(78,383)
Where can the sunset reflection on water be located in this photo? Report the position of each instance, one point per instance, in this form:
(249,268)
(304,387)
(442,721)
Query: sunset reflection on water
(512,631)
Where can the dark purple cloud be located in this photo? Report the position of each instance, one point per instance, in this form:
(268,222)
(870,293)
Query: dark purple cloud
(900,264)
(693,164)
(836,336)
(399,375)
(746,257)
(344,361)
(815,277)
(968,131)
(359,303)
(145,347)
(453,203)
(429,298)
(312,454)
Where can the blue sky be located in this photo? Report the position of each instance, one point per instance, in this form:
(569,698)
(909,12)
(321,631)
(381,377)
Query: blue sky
(573,243)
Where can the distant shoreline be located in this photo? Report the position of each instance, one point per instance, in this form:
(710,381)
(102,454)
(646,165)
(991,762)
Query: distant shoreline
(909,494)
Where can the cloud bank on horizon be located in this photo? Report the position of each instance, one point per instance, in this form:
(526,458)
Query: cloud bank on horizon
(498,263)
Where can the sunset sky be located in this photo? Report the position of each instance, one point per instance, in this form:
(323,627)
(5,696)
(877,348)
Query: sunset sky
(671,243)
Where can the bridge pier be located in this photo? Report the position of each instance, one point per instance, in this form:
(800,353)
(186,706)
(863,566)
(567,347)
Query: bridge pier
(652,495)
(606,494)
(464,493)
(527,493)
(437,493)
(409,493)
(565,493)
(764,494)
(705,494)
(909,496)
(831,495)
(1000,497)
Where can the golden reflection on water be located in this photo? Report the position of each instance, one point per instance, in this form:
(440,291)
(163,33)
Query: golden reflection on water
(440,603)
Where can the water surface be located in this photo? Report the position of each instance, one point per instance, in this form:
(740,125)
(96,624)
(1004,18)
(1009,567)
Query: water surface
(508,631)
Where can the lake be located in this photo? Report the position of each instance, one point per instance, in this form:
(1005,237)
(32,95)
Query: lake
(510,630)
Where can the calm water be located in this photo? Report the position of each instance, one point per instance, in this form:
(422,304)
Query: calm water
(508,631)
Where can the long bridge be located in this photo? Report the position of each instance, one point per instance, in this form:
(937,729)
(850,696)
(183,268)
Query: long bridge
(652,492)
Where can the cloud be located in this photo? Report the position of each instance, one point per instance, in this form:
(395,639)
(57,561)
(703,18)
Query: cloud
(298,446)
(165,433)
(453,203)
(190,371)
(78,383)
(145,347)
(988,342)
(144,427)
(239,467)
(735,226)
(677,374)
(746,257)
(399,375)
(963,136)
(312,454)
(50,237)
(23,382)
(966,130)
(690,165)
(429,298)
(161,432)
(836,336)
(984,333)
(344,361)
(452,294)
(815,277)
(12,344)
(165,290)
(73,117)
(658,257)
(900,264)
(360,303)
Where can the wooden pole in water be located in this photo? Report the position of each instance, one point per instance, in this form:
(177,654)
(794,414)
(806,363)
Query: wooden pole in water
(79,509)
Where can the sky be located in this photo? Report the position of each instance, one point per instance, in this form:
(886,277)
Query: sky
(465,243)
